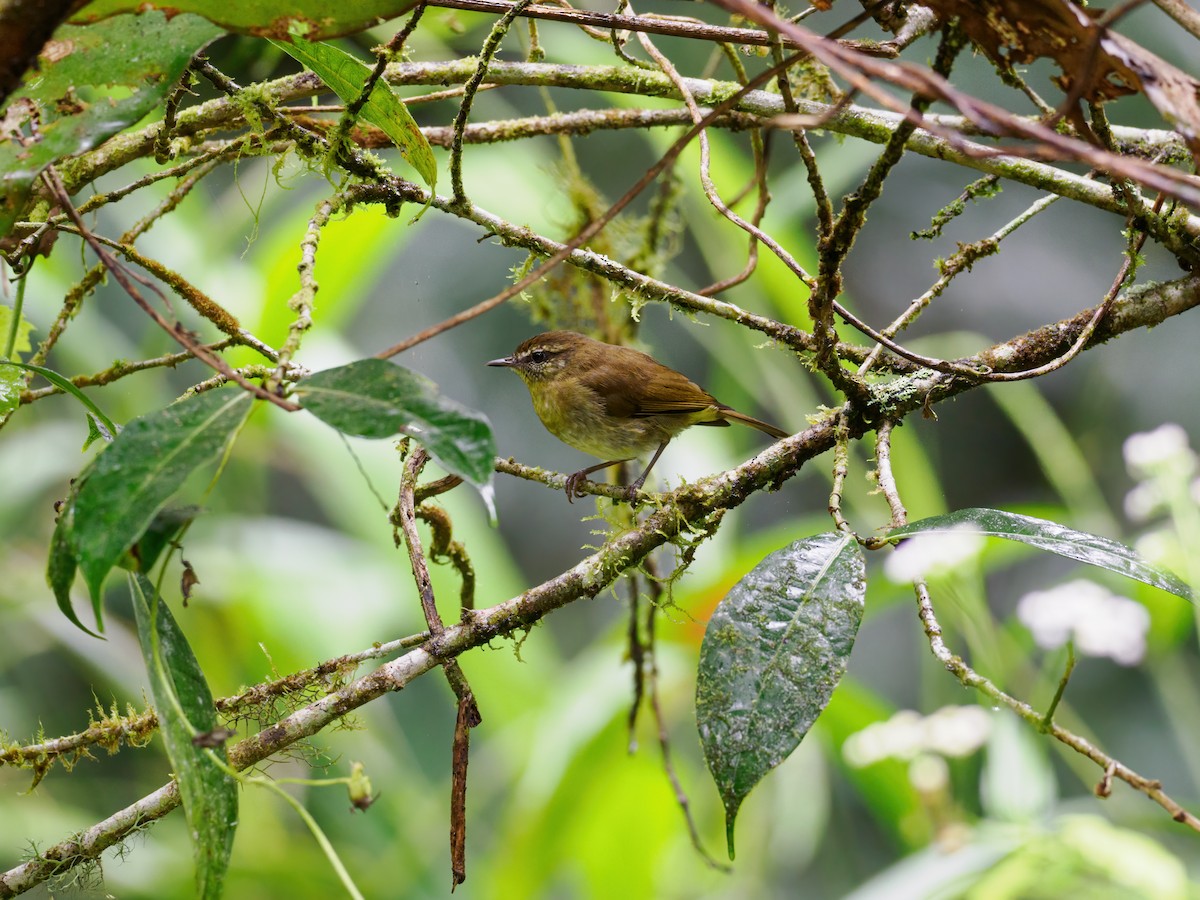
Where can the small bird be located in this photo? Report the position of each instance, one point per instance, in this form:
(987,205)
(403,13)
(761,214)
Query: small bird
(613,402)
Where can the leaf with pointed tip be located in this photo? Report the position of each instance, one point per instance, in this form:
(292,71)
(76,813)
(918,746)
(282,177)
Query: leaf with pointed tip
(1078,545)
(184,705)
(65,385)
(346,76)
(773,652)
(135,475)
(60,572)
(96,432)
(374,398)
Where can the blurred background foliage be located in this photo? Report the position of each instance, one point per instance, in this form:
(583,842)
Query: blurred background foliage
(296,560)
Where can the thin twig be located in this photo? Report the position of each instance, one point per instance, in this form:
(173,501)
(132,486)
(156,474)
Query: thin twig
(121,369)
(486,52)
(1048,718)
(405,519)
(673,26)
(301,302)
(884,474)
(660,720)
(816,182)
(125,280)
(968,677)
(710,190)
(636,649)
(1137,240)
(108,733)
(588,232)
(841,468)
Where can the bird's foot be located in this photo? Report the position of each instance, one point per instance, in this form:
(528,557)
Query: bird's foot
(574,485)
(631,492)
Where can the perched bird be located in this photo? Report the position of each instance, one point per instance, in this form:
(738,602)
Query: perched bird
(613,402)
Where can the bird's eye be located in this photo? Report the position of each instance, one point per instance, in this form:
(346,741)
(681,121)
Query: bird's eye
(539,356)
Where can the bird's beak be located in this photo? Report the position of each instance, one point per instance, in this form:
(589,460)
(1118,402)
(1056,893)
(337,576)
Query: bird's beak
(507,362)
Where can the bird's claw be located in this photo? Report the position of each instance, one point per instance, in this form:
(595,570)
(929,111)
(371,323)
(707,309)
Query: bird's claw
(574,486)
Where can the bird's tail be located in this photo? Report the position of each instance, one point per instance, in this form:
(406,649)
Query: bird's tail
(774,432)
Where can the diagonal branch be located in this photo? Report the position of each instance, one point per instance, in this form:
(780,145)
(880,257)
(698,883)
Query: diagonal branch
(684,509)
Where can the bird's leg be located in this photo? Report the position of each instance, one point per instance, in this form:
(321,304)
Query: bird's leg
(632,490)
(575,480)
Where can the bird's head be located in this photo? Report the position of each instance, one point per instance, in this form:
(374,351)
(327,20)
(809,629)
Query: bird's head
(544,357)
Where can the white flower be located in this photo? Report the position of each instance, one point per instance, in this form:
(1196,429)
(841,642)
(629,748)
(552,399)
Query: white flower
(1160,547)
(1142,502)
(897,738)
(928,554)
(1150,452)
(908,736)
(1100,622)
(957,730)
(928,773)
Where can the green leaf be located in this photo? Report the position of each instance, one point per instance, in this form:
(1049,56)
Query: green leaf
(266,18)
(90,84)
(1078,545)
(96,432)
(773,652)
(60,571)
(375,398)
(184,705)
(135,475)
(24,328)
(11,379)
(11,383)
(346,76)
(65,385)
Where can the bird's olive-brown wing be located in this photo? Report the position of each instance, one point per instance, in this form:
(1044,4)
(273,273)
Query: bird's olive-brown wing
(637,386)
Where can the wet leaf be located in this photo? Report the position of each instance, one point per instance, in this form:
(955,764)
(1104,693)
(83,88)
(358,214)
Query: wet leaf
(773,652)
(1045,535)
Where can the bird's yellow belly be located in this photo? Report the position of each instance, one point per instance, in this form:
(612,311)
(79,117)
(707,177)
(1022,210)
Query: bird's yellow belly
(579,419)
